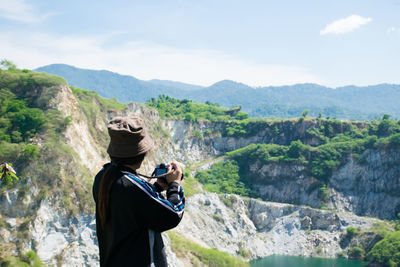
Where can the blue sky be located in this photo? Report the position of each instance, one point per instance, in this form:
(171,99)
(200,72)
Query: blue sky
(259,43)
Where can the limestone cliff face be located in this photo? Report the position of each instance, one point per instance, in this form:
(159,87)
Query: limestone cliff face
(369,187)
(213,143)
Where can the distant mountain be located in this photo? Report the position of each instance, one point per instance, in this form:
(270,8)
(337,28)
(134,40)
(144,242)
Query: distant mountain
(349,102)
(178,85)
(109,84)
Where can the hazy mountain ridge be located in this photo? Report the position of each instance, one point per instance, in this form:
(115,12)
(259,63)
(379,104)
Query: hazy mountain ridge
(348,102)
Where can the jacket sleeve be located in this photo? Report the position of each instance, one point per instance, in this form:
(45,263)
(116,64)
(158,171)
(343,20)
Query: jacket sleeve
(155,212)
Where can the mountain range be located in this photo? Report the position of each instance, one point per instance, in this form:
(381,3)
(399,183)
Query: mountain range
(348,102)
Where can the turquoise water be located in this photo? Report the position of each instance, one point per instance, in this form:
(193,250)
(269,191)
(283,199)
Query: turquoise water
(293,261)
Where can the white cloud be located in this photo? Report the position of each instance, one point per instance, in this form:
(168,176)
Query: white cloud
(391,29)
(345,25)
(21,11)
(144,60)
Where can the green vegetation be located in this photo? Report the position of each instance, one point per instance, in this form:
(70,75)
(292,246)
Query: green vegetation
(229,200)
(18,122)
(191,185)
(30,258)
(197,134)
(169,107)
(94,107)
(243,252)
(92,97)
(198,255)
(323,159)
(305,113)
(160,132)
(382,229)
(7,64)
(25,113)
(352,231)
(223,177)
(323,193)
(7,173)
(382,252)
(387,251)
(356,253)
(247,127)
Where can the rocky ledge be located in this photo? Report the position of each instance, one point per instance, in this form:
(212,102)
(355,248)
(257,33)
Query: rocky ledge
(234,224)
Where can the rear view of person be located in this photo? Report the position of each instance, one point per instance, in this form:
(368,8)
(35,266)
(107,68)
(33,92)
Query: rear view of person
(130,212)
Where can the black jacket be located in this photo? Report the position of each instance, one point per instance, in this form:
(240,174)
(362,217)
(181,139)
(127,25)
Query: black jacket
(138,214)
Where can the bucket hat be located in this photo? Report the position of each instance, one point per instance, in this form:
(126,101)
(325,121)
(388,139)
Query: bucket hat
(129,137)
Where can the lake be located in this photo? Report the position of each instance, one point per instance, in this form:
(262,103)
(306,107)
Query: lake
(289,261)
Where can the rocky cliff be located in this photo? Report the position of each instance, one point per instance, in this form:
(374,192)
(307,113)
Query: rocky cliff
(265,228)
(367,187)
(240,226)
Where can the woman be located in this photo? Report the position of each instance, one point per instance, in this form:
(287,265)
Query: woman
(130,212)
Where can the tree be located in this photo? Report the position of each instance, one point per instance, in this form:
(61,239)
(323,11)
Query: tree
(295,150)
(7,173)
(356,253)
(305,113)
(7,64)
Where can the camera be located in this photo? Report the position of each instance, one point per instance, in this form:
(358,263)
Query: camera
(161,169)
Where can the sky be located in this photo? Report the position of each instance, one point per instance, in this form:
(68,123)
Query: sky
(256,42)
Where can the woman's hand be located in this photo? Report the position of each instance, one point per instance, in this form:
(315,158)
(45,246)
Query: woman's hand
(176,174)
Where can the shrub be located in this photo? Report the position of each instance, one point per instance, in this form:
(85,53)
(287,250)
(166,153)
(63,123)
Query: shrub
(386,251)
(190,117)
(323,193)
(357,253)
(370,141)
(207,256)
(394,139)
(241,116)
(296,149)
(351,231)
(223,177)
(197,134)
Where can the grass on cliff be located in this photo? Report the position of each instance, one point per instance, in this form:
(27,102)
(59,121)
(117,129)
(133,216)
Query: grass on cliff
(95,107)
(27,259)
(185,248)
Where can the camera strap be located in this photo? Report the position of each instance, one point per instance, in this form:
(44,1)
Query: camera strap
(155,177)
